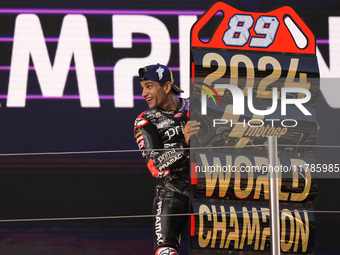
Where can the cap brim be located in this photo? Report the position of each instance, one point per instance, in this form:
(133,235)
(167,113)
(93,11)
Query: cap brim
(176,88)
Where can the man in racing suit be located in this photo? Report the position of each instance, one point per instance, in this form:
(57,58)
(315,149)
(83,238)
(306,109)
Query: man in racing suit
(163,133)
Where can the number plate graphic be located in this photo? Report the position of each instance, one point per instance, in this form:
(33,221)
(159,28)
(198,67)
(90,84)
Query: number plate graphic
(281,30)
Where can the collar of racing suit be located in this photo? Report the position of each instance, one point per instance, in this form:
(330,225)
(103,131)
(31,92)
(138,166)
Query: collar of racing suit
(184,107)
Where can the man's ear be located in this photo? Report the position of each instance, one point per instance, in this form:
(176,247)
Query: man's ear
(167,87)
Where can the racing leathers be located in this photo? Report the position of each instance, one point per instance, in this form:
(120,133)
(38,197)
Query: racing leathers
(160,136)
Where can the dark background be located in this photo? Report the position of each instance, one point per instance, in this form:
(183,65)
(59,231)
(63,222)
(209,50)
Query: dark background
(112,184)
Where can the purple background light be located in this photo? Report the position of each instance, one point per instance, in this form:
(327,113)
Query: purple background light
(73,97)
(101,12)
(93,40)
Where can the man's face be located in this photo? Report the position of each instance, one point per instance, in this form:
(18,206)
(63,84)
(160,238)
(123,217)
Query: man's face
(153,93)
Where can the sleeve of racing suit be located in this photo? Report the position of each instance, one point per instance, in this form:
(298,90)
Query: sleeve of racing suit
(159,162)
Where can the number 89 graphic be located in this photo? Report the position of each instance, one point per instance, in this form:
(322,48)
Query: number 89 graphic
(238,33)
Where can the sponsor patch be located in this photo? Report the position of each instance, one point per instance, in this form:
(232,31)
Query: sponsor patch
(141,144)
(140,121)
(165,123)
(140,138)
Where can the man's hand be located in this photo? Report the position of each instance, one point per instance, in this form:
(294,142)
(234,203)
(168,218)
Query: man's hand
(191,128)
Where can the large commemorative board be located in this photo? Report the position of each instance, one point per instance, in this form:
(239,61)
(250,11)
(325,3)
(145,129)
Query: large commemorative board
(254,75)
